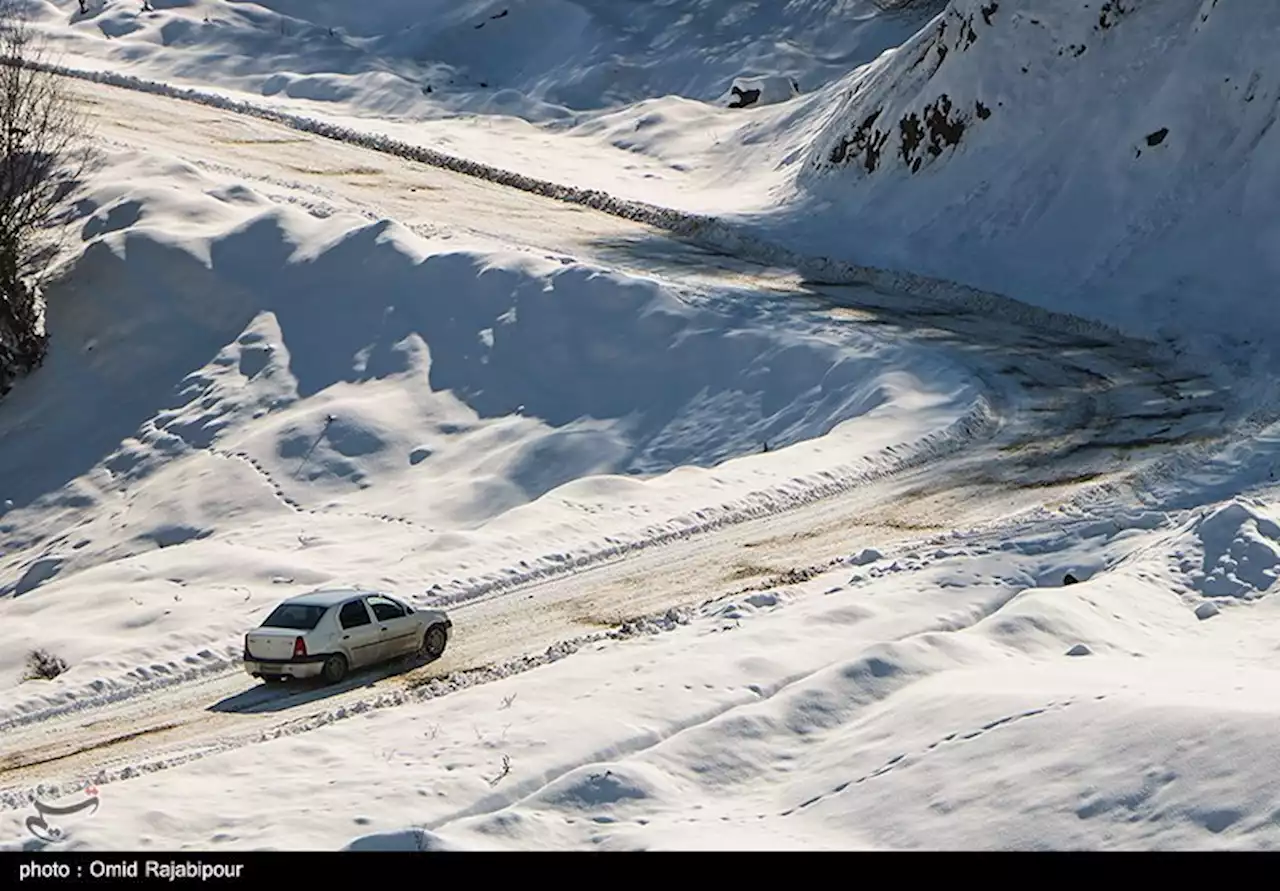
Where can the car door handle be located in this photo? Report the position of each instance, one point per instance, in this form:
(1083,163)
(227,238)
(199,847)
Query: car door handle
(346,637)
(384,627)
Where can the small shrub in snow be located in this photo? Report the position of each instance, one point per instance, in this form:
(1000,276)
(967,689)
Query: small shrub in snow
(44,666)
(506,769)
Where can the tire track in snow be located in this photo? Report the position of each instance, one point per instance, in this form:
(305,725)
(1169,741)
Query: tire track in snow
(140,683)
(410,690)
(101,693)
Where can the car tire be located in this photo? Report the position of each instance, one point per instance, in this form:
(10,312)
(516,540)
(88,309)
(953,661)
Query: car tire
(433,643)
(335,668)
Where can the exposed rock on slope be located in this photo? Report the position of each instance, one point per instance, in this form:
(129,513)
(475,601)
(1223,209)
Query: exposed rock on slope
(1114,158)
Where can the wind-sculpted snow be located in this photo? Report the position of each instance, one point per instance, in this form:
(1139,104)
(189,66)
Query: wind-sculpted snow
(458,423)
(217,660)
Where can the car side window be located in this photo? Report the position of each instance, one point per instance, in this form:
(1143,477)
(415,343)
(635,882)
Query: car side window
(385,609)
(354,615)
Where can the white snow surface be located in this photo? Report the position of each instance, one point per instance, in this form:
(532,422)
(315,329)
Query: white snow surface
(736,560)
(1113,158)
(1033,173)
(929,700)
(544,60)
(235,381)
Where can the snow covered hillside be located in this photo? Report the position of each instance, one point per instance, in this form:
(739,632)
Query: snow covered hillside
(234,382)
(738,554)
(537,59)
(1116,159)
(1112,159)
(626,97)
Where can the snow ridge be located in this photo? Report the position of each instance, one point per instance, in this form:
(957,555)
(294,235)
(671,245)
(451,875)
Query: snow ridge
(979,421)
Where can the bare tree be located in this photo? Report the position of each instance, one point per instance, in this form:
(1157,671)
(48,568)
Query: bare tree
(41,157)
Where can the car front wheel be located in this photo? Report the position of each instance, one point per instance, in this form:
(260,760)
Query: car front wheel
(433,642)
(335,668)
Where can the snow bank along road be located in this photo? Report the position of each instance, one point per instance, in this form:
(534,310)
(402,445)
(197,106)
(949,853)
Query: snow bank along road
(1068,418)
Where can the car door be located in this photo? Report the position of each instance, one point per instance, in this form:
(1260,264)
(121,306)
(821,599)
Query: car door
(360,634)
(399,629)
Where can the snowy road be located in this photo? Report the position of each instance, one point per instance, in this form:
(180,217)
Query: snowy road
(1071,415)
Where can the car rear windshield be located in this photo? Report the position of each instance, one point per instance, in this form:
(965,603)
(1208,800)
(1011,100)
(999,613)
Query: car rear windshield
(298,616)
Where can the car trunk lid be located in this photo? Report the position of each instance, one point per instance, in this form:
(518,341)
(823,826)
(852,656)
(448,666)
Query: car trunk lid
(272,643)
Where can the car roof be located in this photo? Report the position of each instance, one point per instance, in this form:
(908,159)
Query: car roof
(330,596)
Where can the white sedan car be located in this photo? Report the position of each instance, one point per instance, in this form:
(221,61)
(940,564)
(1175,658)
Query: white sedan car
(327,633)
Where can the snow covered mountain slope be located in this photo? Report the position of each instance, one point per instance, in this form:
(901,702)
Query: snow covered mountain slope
(624,96)
(537,59)
(1116,158)
(1112,159)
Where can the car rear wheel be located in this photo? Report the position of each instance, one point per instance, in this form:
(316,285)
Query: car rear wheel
(335,668)
(433,642)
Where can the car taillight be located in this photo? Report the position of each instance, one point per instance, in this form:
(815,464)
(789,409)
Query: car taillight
(299,648)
